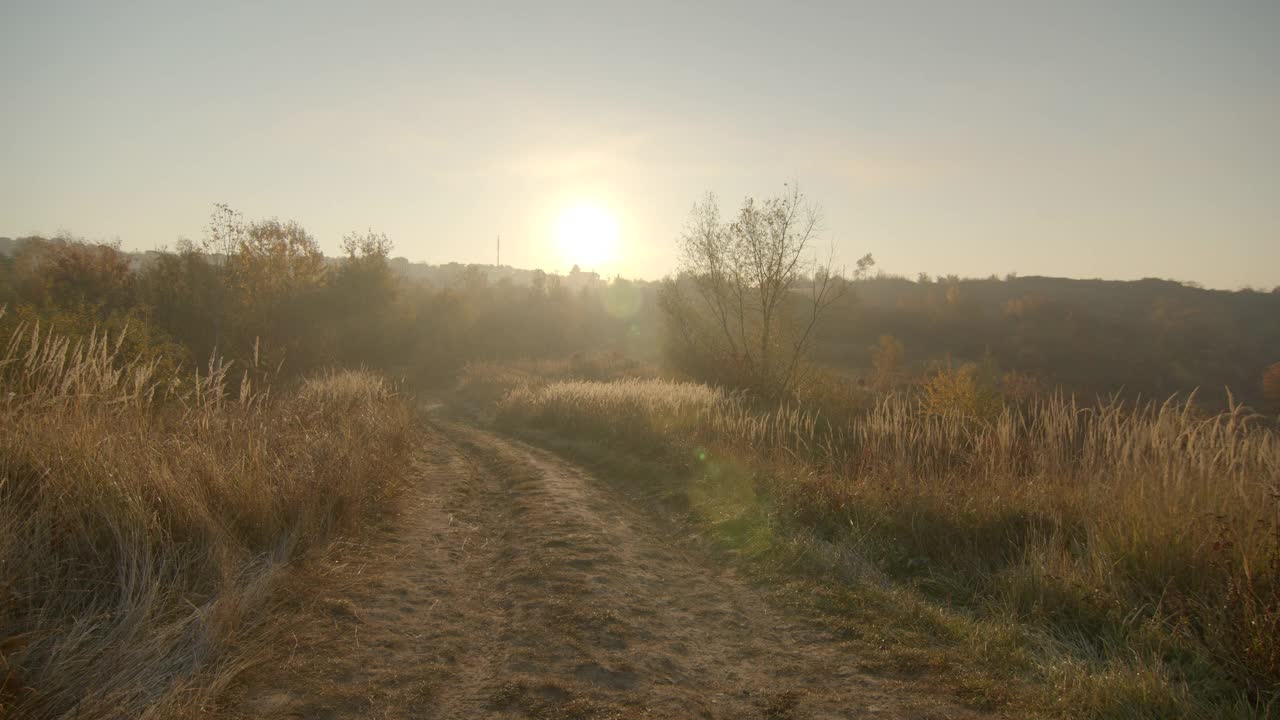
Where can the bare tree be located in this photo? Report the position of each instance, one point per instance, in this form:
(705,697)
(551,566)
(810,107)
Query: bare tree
(223,237)
(224,234)
(750,292)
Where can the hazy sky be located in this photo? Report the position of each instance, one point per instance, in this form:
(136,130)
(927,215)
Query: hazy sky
(1109,139)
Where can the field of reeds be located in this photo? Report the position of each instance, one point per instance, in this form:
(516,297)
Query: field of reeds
(146,518)
(1132,552)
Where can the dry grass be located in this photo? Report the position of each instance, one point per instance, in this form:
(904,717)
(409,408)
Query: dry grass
(483,383)
(1141,542)
(145,520)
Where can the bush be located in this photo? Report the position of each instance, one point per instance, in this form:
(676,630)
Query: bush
(960,393)
(134,335)
(1271,387)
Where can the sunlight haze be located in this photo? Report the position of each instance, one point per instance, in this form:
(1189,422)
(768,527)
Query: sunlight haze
(1083,140)
(680,360)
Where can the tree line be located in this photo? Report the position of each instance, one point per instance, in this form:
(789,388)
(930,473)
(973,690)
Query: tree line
(261,294)
(757,303)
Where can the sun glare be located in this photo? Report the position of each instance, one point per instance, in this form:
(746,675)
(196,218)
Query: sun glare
(588,235)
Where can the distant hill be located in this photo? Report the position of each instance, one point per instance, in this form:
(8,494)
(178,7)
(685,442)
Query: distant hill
(1150,337)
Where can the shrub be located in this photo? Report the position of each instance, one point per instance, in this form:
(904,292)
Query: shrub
(1271,387)
(960,392)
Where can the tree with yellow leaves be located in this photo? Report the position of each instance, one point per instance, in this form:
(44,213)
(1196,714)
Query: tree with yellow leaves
(1271,386)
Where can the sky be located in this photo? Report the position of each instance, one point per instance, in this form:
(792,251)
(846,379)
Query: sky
(1085,139)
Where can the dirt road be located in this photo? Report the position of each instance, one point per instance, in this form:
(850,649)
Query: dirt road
(515,585)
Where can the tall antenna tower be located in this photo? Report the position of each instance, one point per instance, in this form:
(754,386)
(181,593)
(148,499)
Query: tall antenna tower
(499,251)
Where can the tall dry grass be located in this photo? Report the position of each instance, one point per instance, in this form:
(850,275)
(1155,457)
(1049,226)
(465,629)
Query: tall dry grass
(145,519)
(1141,537)
(483,383)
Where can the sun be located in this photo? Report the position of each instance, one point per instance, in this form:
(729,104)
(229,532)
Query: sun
(587,234)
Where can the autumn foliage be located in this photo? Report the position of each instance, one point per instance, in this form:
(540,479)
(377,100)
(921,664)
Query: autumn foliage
(1271,386)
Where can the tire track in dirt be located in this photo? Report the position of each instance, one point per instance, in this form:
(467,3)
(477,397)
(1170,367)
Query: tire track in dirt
(514,585)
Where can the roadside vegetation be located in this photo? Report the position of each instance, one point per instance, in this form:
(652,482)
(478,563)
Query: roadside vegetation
(146,516)
(1123,559)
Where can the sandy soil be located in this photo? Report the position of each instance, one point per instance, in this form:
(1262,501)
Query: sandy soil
(515,585)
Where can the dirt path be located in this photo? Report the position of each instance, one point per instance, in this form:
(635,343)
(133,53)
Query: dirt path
(515,585)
